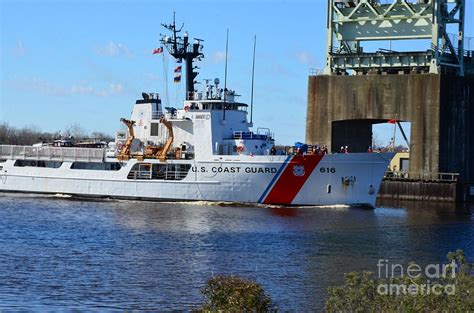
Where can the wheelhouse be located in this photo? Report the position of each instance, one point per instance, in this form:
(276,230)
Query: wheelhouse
(214,105)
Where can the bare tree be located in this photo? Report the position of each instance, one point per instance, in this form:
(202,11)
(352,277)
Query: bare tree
(376,141)
(102,136)
(4,132)
(76,131)
(29,135)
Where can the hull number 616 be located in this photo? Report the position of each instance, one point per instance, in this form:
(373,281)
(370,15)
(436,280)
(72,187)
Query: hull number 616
(327,170)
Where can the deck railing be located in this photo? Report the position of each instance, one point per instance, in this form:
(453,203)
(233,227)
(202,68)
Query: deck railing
(251,135)
(421,176)
(46,153)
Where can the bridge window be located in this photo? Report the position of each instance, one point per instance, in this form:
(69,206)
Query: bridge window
(220,106)
(34,163)
(113,166)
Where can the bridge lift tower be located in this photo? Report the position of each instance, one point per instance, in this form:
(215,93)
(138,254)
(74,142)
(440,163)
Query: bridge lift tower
(432,87)
(352,22)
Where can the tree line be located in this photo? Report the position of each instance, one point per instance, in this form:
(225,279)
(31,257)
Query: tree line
(10,135)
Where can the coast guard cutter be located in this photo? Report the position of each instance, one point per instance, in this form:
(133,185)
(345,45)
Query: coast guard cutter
(204,150)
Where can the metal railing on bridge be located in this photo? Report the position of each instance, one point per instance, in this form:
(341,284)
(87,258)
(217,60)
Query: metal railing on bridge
(46,153)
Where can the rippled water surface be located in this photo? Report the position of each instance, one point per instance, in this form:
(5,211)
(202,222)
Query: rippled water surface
(61,253)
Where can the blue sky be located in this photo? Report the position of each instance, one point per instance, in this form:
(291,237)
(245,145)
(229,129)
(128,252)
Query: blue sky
(85,62)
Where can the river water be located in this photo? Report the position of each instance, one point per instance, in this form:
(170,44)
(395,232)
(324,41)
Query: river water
(64,253)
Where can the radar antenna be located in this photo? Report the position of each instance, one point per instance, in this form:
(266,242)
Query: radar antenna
(181,49)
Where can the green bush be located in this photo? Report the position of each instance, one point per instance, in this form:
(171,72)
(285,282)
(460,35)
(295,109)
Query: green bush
(234,294)
(360,292)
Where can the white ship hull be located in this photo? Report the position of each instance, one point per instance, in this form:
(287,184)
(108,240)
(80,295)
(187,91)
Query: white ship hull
(289,180)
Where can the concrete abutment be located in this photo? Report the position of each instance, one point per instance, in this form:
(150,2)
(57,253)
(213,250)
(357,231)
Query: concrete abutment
(341,110)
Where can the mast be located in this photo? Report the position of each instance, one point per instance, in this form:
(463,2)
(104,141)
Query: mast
(225,73)
(253,76)
(180,48)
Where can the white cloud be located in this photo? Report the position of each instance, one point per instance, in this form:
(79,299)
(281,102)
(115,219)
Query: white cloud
(28,84)
(218,57)
(305,57)
(115,88)
(84,88)
(19,50)
(114,49)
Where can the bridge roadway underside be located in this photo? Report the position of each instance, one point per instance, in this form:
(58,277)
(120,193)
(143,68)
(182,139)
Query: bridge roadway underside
(440,107)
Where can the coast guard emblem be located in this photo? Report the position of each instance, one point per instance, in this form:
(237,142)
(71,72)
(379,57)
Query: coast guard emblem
(298,170)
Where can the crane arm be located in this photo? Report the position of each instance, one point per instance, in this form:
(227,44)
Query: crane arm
(125,152)
(168,143)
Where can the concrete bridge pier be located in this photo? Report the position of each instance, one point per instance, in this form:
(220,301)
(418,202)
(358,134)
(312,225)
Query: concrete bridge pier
(341,110)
